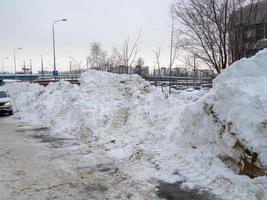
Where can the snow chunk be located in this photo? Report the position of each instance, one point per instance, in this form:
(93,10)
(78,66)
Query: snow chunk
(233,113)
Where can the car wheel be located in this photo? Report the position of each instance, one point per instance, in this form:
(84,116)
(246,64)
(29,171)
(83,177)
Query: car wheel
(11,112)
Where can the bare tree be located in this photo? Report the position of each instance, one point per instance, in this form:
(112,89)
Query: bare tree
(205,25)
(76,65)
(192,65)
(97,58)
(157,62)
(157,54)
(127,53)
(140,62)
(139,67)
(111,62)
(174,47)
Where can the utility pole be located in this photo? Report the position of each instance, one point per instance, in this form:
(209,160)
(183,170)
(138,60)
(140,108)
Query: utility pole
(70,67)
(2,63)
(24,67)
(14,54)
(30,66)
(54,45)
(154,75)
(42,66)
(87,62)
(71,70)
(171,54)
(194,71)
(15,65)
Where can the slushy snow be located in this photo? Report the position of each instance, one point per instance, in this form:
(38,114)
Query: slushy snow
(155,137)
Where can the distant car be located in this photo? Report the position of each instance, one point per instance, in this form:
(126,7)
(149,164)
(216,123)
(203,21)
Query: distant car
(5,103)
(197,87)
(190,90)
(206,87)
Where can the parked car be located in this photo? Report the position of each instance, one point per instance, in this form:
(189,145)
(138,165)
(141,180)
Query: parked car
(5,103)
(206,87)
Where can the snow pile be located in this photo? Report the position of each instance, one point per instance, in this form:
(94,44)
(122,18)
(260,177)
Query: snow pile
(103,102)
(123,120)
(52,106)
(231,120)
(121,117)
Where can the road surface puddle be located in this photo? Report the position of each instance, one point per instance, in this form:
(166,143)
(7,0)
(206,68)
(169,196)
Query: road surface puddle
(174,191)
(49,139)
(55,142)
(24,129)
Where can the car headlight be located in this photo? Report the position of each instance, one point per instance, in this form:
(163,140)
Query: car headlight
(7,104)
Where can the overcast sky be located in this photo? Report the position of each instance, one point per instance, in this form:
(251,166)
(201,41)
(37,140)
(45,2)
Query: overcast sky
(27,24)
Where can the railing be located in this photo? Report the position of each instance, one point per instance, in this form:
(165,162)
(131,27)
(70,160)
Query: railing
(32,77)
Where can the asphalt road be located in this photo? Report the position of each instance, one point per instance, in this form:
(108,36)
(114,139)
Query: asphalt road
(28,170)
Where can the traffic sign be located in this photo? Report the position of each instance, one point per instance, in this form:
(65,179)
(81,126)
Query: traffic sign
(55,73)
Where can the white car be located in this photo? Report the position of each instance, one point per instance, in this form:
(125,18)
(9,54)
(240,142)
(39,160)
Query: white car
(5,103)
(190,90)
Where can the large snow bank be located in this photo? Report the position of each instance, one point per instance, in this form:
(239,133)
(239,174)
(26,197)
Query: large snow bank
(103,102)
(53,106)
(231,120)
(123,119)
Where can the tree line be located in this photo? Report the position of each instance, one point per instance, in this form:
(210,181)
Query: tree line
(209,31)
(124,55)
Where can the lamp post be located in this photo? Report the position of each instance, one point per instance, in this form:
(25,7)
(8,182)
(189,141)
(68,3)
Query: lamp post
(54,46)
(2,64)
(15,67)
(42,66)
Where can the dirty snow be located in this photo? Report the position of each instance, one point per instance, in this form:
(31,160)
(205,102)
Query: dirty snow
(154,137)
(239,102)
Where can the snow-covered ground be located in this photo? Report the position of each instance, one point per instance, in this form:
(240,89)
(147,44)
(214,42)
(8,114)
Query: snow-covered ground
(203,140)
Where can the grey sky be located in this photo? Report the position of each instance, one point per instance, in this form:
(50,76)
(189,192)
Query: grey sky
(27,24)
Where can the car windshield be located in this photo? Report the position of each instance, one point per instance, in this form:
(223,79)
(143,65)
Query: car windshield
(3,94)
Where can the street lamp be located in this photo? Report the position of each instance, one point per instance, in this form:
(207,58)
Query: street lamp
(15,67)
(2,63)
(54,48)
(42,66)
